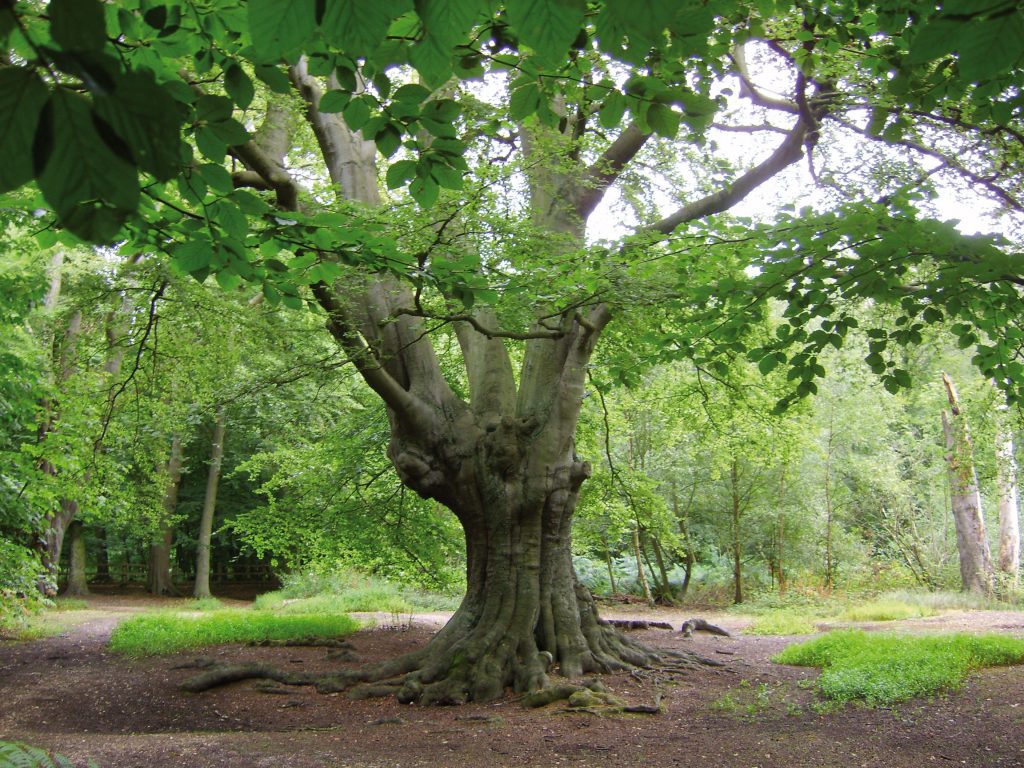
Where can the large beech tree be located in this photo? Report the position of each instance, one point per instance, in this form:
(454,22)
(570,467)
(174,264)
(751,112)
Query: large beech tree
(591,92)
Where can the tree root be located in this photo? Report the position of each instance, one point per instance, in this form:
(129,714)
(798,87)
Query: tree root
(694,625)
(638,624)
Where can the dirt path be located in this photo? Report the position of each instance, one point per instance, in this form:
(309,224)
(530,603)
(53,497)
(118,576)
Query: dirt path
(68,693)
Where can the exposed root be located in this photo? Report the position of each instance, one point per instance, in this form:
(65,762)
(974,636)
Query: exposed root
(638,624)
(693,625)
(222,674)
(304,642)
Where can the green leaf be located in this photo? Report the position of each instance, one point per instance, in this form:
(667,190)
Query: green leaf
(22,97)
(413,93)
(334,101)
(280,26)
(231,218)
(274,78)
(357,27)
(663,120)
(424,191)
(400,172)
(648,18)
(432,60)
(448,21)
(193,255)
(767,364)
(612,109)
(990,47)
(216,177)
(239,86)
(78,25)
(547,26)
(91,189)
(449,178)
(524,101)
(227,280)
(356,114)
(147,119)
(388,140)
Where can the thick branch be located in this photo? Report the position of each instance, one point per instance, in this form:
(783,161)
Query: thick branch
(788,152)
(399,400)
(751,91)
(603,173)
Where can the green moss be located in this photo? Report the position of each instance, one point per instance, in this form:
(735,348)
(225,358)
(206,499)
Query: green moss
(889,668)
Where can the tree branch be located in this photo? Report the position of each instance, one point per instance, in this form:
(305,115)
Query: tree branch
(787,153)
(603,172)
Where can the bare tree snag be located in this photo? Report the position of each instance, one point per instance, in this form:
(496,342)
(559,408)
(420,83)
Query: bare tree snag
(1009,509)
(971,540)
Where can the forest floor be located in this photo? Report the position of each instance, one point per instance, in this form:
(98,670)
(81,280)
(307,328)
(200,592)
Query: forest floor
(70,694)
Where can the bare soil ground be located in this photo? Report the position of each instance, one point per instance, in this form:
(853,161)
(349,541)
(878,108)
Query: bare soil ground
(70,694)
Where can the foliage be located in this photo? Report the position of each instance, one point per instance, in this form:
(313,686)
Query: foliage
(784,622)
(883,669)
(337,590)
(14,754)
(885,610)
(171,631)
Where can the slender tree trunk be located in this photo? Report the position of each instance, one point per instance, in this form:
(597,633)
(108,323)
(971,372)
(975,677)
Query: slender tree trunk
(971,540)
(659,558)
(737,544)
(641,575)
(689,558)
(830,566)
(158,580)
(608,563)
(780,536)
(77,585)
(102,557)
(202,587)
(1009,510)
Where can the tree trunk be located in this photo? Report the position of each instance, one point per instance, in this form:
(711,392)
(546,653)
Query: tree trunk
(689,558)
(780,536)
(608,563)
(77,586)
(641,574)
(102,557)
(1009,510)
(971,540)
(158,580)
(659,558)
(829,508)
(202,586)
(737,544)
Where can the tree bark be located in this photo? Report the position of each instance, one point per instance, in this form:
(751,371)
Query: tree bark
(1009,510)
(202,586)
(971,540)
(641,574)
(737,544)
(158,580)
(102,557)
(77,585)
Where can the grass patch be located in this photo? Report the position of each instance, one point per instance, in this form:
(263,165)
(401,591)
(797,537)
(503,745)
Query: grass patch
(169,631)
(70,604)
(885,669)
(783,623)
(345,591)
(887,610)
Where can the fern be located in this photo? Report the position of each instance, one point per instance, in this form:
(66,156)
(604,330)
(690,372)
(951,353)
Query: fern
(17,755)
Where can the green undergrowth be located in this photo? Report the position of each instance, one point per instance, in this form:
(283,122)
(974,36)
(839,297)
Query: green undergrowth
(882,669)
(170,631)
(806,613)
(14,754)
(345,591)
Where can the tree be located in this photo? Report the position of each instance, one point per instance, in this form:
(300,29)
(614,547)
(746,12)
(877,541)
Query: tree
(589,93)
(971,540)
(202,585)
